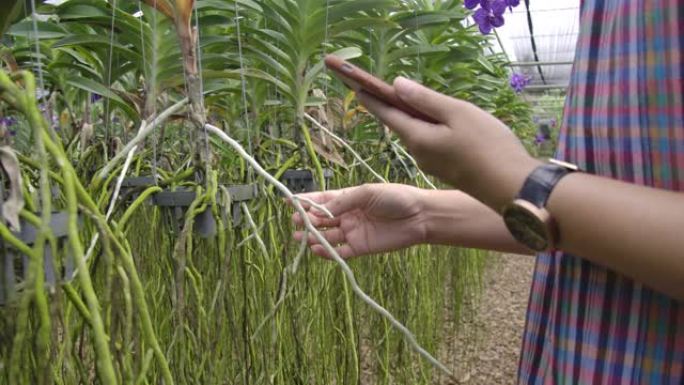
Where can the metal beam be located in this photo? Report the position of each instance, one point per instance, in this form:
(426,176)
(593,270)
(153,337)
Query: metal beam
(539,63)
(545,87)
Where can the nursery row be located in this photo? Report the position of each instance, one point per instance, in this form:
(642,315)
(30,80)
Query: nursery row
(147,147)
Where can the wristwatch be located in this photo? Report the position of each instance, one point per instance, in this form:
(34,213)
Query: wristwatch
(526,217)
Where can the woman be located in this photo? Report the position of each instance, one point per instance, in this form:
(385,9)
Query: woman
(607,305)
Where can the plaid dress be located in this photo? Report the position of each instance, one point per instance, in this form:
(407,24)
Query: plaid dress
(623,119)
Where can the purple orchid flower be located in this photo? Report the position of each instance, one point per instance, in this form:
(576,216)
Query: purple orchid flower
(498,7)
(8,121)
(512,4)
(487,21)
(490,13)
(518,82)
(471,4)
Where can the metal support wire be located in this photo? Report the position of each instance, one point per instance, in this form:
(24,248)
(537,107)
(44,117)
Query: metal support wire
(532,40)
(107,101)
(39,62)
(243,84)
(198,54)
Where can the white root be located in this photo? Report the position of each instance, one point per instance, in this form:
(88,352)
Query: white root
(415,164)
(315,205)
(347,146)
(143,132)
(410,338)
(128,151)
(361,161)
(255,229)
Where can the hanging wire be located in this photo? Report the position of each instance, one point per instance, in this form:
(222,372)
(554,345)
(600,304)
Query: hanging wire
(39,62)
(326,79)
(418,57)
(187,111)
(244,87)
(370,49)
(153,89)
(201,82)
(109,75)
(142,45)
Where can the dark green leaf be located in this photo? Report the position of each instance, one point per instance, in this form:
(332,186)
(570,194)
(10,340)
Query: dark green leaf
(46,30)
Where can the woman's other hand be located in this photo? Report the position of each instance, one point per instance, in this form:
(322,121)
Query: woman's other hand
(469,149)
(369,219)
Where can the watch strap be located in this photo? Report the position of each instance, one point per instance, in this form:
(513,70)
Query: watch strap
(539,184)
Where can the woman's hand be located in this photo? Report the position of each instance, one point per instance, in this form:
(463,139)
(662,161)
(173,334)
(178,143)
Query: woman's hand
(469,149)
(376,218)
(368,219)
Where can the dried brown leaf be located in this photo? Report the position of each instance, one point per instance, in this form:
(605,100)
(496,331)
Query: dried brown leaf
(15,203)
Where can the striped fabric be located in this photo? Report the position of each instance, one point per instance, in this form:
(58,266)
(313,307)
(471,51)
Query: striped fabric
(623,119)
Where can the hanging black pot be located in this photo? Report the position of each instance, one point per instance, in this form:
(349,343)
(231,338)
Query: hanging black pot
(131,187)
(301,181)
(180,199)
(15,265)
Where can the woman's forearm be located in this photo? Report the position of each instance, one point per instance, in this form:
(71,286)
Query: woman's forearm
(635,230)
(457,219)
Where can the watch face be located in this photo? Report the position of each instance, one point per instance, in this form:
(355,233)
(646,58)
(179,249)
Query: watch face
(527,227)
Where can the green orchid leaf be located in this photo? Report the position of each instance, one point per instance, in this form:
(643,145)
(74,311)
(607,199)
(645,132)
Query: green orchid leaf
(345,53)
(45,30)
(94,87)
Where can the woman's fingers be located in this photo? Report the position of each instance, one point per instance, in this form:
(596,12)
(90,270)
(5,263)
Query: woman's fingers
(340,201)
(333,236)
(337,202)
(413,132)
(320,197)
(316,220)
(350,199)
(432,103)
(344,251)
(401,123)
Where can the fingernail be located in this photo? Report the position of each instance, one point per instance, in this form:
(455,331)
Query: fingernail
(404,86)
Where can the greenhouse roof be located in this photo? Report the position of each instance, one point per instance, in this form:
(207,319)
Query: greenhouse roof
(540,41)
